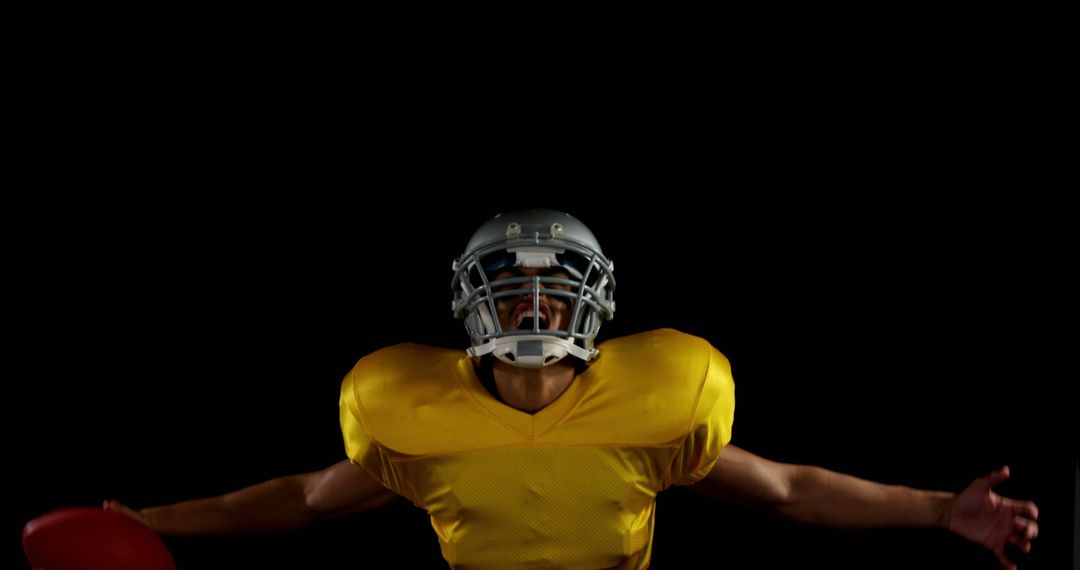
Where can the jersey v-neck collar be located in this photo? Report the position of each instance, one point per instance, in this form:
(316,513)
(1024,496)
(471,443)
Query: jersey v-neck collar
(523,424)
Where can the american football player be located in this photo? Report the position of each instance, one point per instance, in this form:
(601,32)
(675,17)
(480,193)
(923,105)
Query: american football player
(538,447)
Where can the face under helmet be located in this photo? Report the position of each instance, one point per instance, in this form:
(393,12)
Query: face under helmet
(533,239)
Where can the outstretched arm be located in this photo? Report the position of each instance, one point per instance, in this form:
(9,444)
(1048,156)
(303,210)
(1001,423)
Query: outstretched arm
(277,505)
(818,496)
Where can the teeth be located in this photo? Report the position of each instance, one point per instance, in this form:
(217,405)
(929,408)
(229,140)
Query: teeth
(528,315)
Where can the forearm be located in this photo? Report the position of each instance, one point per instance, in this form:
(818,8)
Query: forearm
(820,496)
(278,505)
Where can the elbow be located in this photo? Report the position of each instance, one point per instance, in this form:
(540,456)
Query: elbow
(789,500)
(780,491)
(802,498)
(781,499)
(315,504)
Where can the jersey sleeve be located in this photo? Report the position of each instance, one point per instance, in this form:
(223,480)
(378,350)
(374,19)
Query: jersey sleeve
(360,447)
(710,429)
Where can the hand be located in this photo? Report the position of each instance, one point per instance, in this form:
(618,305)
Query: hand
(116,507)
(981,515)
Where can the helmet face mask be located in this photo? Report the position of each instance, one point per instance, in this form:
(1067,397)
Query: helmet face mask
(533,286)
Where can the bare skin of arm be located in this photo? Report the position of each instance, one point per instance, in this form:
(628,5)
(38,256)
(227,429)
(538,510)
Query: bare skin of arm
(809,494)
(277,505)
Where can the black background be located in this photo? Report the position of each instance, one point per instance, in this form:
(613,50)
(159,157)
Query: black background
(193,265)
(172,357)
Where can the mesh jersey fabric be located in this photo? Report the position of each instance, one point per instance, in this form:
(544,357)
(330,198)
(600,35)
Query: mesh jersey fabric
(571,486)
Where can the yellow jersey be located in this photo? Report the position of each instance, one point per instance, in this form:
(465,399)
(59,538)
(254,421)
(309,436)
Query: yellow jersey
(570,486)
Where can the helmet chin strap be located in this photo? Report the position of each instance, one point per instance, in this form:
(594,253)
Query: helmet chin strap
(532,351)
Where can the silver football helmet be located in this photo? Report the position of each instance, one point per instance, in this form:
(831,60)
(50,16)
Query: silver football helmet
(537,239)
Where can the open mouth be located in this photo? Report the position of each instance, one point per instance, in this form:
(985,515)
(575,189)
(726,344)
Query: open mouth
(523,317)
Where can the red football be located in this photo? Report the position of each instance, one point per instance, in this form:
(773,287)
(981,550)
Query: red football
(84,538)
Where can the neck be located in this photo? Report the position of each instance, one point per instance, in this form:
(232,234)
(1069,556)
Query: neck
(531,389)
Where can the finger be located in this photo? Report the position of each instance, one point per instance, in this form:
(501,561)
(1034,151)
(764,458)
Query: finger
(996,478)
(1024,508)
(1025,528)
(120,508)
(1023,545)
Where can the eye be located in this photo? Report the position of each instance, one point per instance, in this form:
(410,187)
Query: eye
(501,276)
(559,286)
